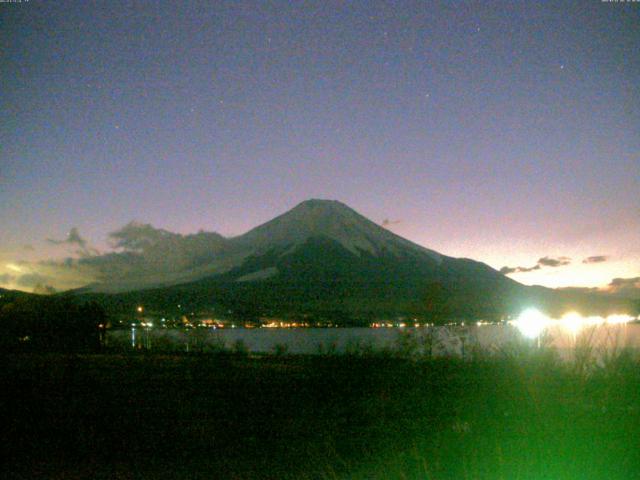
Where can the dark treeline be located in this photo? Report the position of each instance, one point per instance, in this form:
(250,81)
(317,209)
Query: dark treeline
(57,324)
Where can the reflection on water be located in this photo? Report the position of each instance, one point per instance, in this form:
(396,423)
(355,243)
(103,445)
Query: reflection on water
(563,334)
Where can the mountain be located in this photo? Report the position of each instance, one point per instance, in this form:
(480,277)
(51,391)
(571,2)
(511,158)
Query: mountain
(324,260)
(155,258)
(8,296)
(332,220)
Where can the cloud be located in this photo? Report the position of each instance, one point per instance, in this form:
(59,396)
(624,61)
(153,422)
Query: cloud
(542,262)
(508,270)
(623,282)
(36,282)
(387,223)
(554,262)
(156,248)
(31,280)
(73,238)
(28,248)
(42,276)
(144,254)
(628,287)
(596,259)
(6,278)
(137,237)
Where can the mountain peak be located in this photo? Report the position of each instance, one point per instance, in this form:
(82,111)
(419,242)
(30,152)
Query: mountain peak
(310,202)
(320,205)
(330,219)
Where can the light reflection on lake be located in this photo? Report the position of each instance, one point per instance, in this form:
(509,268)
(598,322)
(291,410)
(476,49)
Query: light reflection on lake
(447,340)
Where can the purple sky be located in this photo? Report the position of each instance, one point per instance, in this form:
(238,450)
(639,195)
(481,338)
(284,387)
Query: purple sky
(501,131)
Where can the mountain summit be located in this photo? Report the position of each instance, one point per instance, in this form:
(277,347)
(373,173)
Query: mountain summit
(333,220)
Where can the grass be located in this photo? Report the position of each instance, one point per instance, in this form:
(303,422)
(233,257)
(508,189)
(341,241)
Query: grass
(518,413)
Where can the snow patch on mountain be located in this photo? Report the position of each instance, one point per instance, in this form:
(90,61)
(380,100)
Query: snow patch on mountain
(334,220)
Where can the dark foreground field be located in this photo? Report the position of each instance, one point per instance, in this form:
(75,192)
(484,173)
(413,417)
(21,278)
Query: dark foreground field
(341,417)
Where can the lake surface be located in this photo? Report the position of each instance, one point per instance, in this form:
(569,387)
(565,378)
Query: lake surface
(447,340)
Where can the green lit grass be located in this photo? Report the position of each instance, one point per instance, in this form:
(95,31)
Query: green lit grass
(516,414)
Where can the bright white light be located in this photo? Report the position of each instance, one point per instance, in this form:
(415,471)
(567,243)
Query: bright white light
(531,323)
(617,319)
(593,320)
(573,322)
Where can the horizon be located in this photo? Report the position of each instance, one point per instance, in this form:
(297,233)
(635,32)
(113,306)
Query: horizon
(505,133)
(78,248)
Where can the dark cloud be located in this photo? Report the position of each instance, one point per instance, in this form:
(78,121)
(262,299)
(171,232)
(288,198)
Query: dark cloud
(554,262)
(542,262)
(146,253)
(387,223)
(137,237)
(596,259)
(628,287)
(73,238)
(60,274)
(508,270)
(142,255)
(28,248)
(623,282)
(68,262)
(31,280)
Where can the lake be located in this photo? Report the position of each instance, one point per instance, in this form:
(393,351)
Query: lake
(438,340)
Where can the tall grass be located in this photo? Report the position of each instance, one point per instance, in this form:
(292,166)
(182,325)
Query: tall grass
(519,411)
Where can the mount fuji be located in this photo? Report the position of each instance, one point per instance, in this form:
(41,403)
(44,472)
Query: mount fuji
(322,259)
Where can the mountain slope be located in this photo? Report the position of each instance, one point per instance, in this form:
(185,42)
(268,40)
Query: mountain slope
(171,259)
(324,260)
(330,219)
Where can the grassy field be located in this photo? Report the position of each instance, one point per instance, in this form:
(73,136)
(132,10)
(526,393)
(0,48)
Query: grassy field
(507,416)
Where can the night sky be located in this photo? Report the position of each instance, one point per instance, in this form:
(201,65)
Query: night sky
(507,132)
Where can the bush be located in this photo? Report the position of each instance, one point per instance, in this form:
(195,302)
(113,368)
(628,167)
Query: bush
(56,324)
(240,348)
